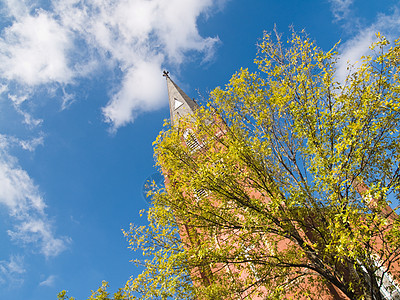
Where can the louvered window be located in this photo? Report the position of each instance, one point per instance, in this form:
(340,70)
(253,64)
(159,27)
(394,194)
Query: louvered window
(200,193)
(191,141)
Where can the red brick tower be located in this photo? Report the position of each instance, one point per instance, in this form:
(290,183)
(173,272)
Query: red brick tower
(182,106)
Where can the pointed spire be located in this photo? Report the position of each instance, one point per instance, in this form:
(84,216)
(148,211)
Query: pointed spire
(180,104)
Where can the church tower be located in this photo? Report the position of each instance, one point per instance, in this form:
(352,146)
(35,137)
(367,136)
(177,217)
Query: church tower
(182,107)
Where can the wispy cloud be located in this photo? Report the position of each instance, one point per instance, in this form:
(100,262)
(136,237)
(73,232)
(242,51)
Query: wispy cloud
(11,271)
(18,98)
(340,8)
(39,232)
(11,141)
(49,281)
(31,145)
(354,48)
(24,203)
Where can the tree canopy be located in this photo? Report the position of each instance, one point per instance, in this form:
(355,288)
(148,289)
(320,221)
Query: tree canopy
(288,185)
(101,294)
(283,184)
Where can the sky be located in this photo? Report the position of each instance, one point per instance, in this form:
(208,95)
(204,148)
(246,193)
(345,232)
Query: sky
(82,98)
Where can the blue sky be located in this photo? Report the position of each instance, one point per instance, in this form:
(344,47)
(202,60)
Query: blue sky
(82,98)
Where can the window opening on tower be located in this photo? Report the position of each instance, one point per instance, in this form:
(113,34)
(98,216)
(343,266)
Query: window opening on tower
(191,141)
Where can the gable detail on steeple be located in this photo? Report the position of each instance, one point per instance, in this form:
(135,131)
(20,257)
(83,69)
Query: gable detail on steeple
(178,103)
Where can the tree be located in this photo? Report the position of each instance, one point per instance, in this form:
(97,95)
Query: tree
(100,294)
(288,186)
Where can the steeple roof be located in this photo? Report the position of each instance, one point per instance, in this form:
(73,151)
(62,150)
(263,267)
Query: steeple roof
(180,104)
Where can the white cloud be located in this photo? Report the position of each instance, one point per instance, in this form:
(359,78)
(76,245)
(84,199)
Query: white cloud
(16,8)
(142,89)
(11,271)
(49,281)
(33,50)
(353,49)
(74,38)
(139,37)
(25,205)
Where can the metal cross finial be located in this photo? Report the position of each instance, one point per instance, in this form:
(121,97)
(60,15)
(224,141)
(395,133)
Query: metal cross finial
(165,73)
